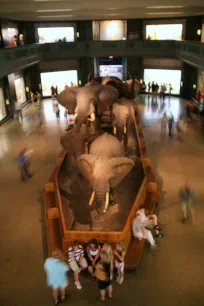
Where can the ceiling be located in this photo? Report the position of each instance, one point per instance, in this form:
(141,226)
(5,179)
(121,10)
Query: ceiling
(94,9)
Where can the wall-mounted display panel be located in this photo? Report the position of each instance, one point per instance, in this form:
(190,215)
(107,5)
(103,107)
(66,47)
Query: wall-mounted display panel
(111,66)
(112,70)
(202,34)
(164,77)
(169,29)
(20,90)
(59,79)
(2,105)
(164,31)
(110,30)
(54,34)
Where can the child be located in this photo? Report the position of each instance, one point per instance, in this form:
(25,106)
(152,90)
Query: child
(119,253)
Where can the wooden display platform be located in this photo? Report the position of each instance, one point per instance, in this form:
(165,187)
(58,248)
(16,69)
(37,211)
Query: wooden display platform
(60,237)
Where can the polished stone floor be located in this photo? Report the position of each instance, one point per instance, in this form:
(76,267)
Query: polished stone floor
(173,275)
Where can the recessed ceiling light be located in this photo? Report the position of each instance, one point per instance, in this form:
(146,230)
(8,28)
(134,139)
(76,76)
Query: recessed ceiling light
(165,13)
(58,10)
(164,7)
(58,16)
(114,14)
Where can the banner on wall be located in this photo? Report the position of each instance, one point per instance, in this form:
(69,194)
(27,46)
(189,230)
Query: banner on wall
(2,105)
(20,90)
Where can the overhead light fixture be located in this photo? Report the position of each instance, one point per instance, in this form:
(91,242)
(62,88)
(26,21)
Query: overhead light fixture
(114,14)
(164,7)
(58,10)
(165,13)
(58,16)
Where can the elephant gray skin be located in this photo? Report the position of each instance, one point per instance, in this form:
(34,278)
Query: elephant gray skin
(74,143)
(82,101)
(104,167)
(128,89)
(124,126)
(122,118)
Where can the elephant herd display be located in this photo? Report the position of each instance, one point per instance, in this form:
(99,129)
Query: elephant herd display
(101,158)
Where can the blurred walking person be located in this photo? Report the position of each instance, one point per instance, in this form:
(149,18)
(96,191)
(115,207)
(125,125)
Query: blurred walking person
(56,270)
(187,197)
(57,112)
(23,164)
(164,121)
(52,89)
(170,125)
(180,127)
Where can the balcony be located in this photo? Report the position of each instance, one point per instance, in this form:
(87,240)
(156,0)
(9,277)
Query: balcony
(13,59)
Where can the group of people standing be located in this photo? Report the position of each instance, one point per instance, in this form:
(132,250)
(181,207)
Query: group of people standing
(100,260)
(170,122)
(154,88)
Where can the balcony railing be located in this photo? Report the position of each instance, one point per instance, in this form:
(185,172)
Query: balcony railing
(12,59)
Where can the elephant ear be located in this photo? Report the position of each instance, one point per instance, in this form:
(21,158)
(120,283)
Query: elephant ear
(85,165)
(107,96)
(121,166)
(67,98)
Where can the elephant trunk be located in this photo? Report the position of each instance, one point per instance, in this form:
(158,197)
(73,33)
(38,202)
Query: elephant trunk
(101,197)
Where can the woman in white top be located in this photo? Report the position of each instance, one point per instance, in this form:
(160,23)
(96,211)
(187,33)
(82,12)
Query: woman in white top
(93,255)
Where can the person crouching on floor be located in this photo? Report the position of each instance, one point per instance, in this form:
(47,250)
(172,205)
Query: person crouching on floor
(140,232)
(150,221)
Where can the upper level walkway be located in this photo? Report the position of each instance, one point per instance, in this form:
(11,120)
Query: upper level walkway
(171,276)
(13,59)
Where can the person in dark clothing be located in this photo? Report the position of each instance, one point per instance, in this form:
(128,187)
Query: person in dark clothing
(156,87)
(56,91)
(170,125)
(153,87)
(103,274)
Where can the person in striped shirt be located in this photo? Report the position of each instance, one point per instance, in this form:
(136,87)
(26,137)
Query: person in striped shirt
(76,261)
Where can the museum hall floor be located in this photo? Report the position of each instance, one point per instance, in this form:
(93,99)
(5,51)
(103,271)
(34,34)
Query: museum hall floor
(173,275)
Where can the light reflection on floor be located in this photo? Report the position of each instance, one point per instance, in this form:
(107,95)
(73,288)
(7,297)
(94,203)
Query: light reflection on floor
(154,107)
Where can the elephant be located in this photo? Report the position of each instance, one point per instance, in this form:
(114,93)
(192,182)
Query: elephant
(83,101)
(122,117)
(104,167)
(75,143)
(128,89)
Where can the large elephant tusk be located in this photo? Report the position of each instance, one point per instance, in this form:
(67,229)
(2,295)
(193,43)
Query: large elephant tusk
(125,129)
(107,202)
(93,117)
(92,198)
(74,117)
(114,130)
